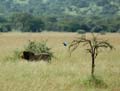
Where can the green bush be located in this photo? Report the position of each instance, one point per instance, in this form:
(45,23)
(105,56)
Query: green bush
(118,31)
(39,47)
(102,32)
(81,32)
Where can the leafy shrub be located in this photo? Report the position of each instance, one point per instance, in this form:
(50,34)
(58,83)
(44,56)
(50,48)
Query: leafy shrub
(118,31)
(102,32)
(38,48)
(81,32)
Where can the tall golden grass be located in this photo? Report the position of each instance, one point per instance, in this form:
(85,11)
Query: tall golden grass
(64,73)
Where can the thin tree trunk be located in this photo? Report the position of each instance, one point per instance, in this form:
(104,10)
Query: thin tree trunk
(93,65)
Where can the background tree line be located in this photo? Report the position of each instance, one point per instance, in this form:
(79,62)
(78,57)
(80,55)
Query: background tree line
(26,22)
(62,7)
(60,15)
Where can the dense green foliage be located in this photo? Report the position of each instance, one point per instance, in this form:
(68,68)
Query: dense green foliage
(59,15)
(38,48)
(61,7)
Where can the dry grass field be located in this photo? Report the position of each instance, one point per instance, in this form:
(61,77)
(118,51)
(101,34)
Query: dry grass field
(64,73)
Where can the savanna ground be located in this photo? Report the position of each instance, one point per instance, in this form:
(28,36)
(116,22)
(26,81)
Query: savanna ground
(64,73)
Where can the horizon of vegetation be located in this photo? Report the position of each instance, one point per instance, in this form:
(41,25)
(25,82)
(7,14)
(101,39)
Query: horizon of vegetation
(60,15)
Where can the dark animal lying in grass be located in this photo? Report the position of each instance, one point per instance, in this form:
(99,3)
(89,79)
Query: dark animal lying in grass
(30,56)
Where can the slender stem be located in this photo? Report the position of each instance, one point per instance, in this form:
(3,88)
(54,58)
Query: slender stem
(93,65)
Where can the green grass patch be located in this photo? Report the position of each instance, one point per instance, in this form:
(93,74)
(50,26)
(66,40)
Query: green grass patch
(95,81)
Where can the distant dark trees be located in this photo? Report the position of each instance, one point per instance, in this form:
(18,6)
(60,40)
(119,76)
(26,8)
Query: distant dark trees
(26,22)
(36,25)
(4,25)
(59,15)
(59,7)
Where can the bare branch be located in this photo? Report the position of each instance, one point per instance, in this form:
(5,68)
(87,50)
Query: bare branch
(105,44)
(75,43)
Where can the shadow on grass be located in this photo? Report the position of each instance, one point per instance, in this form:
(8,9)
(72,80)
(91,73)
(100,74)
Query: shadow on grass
(93,81)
